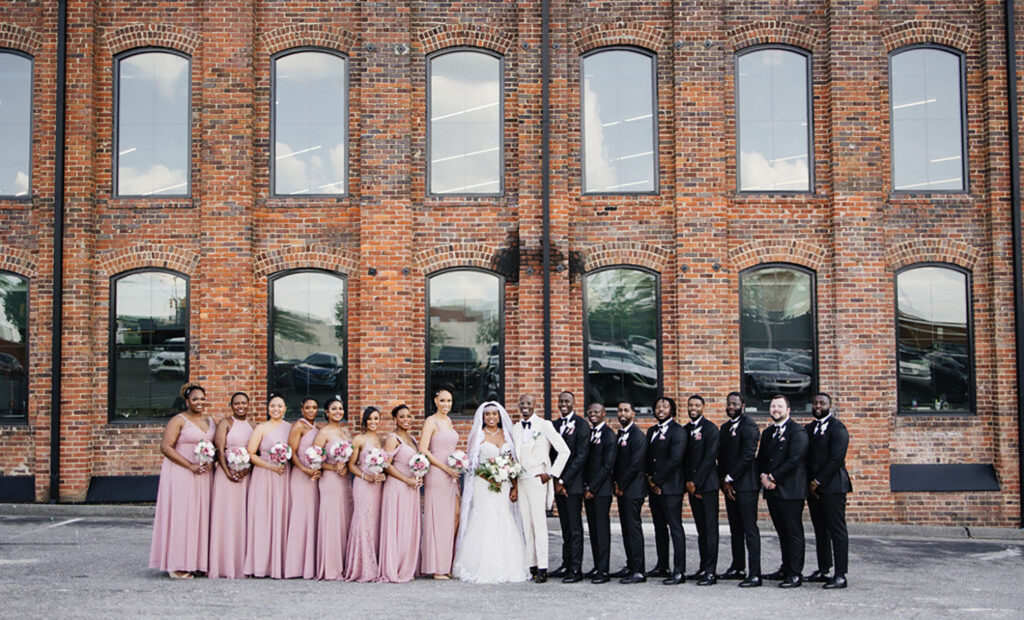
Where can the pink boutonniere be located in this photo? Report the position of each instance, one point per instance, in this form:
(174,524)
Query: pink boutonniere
(783,438)
(697,435)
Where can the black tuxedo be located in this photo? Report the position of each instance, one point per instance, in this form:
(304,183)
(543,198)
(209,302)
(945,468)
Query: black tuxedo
(783,457)
(599,482)
(826,465)
(631,480)
(665,453)
(700,465)
(575,430)
(737,445)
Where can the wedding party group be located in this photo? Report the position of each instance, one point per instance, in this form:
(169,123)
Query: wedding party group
(313,500)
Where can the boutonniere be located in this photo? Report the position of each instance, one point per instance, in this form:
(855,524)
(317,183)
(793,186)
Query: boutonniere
(623,440)
(597,440)
(570,426)
(734,432)
(696,434)
(783,438)
(534,434)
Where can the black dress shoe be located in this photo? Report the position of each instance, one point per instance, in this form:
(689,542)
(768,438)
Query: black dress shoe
(634,578)
(558,572)
(658,572)
(751,582)
(601,578)
(572,578)
(707,580)
(732,573)
(591,573)
(817,577)
(698,575)
(836,583)
(621,574)
(533,571)
(675,579)
(541,576)
(776,576)
(791,582)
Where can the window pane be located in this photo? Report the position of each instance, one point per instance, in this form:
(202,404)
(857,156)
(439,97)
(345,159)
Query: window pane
(777,345)
(927,127)
(773,122)
(622,337)
(465,123)
(618,122)
(464,332)
(310,124)
(934,366)
(153,125)
(15,124)
(13,348)
(309,333)
(150,359)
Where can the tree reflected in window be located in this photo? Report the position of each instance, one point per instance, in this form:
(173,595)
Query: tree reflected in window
(13,348)
(15,124)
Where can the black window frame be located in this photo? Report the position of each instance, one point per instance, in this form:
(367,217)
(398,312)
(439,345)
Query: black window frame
(22,420)
(31,120)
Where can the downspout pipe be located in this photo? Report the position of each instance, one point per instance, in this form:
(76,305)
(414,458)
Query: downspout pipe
(545,192)
(57,328)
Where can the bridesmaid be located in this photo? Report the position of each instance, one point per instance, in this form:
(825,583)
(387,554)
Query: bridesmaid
(230,490)
(441,488)
(267,509)
(181,525)
(364,533)
(335,497)
(300,550)
(400,506)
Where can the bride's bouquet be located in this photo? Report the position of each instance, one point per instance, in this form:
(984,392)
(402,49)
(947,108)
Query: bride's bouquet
(419,464)
(279,453)
(376,461)
(498,470)
(314,457)
(205,452)
(458,461)
(237,458)
(340,451)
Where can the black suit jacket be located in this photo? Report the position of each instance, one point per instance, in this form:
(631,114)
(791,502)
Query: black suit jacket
(601,463)
(701,460)
(826,456)
(578,440)
(785,459)
(665,458)
(736,454)
(630,461)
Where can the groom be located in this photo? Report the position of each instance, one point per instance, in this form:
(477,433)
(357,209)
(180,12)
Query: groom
(535,437)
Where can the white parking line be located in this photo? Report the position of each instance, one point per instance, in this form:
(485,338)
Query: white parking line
(63,523)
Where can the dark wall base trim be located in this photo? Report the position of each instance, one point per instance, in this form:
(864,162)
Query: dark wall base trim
(108,489)
(943,477)
(17,488)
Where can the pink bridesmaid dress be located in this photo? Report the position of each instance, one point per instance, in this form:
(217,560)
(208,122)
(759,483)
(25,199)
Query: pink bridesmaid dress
(267,513)
(227,513)
(181,525)
(333,523)
(440,501)
(364,532)
(399,522)
(300,551)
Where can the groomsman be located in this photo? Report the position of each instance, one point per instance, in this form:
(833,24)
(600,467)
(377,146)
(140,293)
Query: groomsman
(702,486)
(666,448)
(828,486)
(599,487)
(781,460)
(737,446)
(630,489)
(575,431)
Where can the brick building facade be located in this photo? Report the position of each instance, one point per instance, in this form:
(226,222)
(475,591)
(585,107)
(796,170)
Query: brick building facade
(231,234)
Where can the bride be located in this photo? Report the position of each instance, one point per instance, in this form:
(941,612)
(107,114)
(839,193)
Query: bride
(490,547)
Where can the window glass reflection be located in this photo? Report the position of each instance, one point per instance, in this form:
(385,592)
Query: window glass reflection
(618,122)
(310,124)
(15,124)
(308,332)
(465,123)
(464,330)
(153,125)
(622,330)
(150,350)
(927,131)
(934,367)
(13,347)
(777,343)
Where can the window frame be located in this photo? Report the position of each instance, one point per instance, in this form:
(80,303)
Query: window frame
(655,142)
(809,58)
(112,341)
(23,419)
(272,179)
(969,300)
(427,397)
(31,122)
(660,392)
(964,167)
(501,123)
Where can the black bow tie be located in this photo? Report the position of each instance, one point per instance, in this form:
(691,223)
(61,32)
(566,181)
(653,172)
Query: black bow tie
(526,425)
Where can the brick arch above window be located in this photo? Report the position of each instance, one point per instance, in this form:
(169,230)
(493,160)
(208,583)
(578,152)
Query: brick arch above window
(17,261)
(21,39)
(470,254)
(471,35)
(152,35)
(141,256)
(311,256)
(307,35)
(915,251)
(773,31)
(921,31)
(761,251)
(618,33)
(625,253)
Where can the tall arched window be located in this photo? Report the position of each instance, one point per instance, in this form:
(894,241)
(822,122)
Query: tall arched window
(622,337)
(465,337)
(13,348)
(935,361)
(15,124)
(778,335)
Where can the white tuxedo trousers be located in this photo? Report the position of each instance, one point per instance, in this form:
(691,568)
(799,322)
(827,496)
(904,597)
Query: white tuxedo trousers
(532,506)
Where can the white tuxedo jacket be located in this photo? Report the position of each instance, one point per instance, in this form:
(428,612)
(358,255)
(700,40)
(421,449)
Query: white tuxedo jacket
(533,448)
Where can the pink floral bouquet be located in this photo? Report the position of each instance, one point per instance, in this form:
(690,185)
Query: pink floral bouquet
(280,453)
(419,464)
(498,470)
(376,462)
(314,457)
(205,452)
(340,451)
(458,461)
(237,458)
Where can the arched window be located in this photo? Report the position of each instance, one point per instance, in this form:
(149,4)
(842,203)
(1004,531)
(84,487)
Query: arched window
(308,337)
(310,123)
(149,343)
(15,124)
(622,337)
(773,120)
(778,336)
(935,361)
(152,155)
(465,337)
(13,348)
(620,129)
(465,112)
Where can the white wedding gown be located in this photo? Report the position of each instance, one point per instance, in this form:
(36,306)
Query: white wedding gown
(491,548)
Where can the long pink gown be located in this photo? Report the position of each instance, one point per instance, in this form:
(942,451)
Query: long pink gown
(227,513)
(267,513)
(364,532)
(300,551)
(181,525)
(440,501)
(399,522)
(333,522)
